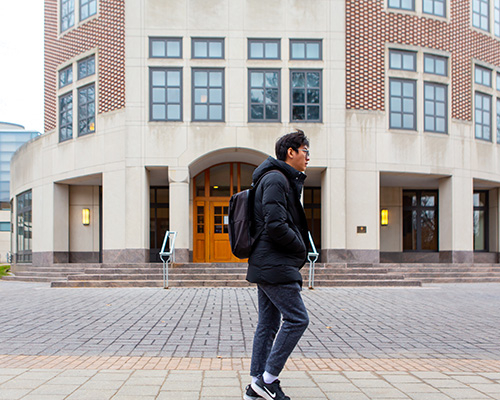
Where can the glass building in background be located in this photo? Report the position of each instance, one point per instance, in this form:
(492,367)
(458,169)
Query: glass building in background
(12,136)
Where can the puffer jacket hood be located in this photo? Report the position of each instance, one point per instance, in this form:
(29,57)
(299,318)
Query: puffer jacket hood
(280,251)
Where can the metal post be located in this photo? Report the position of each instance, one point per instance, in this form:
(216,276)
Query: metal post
(312,257)
(169,255)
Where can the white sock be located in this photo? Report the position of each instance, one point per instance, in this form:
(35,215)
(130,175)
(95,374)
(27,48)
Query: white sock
(254,379)
(268,378)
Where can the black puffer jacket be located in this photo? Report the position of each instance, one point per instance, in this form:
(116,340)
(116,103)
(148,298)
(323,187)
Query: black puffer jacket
(281,249)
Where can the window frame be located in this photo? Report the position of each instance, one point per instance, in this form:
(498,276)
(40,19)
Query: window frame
(402,113)
(165,41)
(418,209)
(63,17)
(66,71)
(481,16)
(86,61)
(166,87)
(193,99)
(400,5)
(403,53)
(434,8)
(263,70)
(250,41)
(485,209)
(306,42)
(483,71)
(86,104)
(291,103)
(483,95)
(23,252)
(435,58)
(65,111)
(434,116)
(207,40)
(87,3)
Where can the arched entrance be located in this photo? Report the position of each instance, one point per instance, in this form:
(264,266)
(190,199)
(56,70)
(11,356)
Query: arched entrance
(212,190)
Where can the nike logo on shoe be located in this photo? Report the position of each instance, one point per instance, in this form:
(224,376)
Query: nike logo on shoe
(273,395)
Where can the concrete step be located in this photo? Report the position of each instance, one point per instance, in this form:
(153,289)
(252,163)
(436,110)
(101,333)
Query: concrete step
(150,283)
(359,282)
(31,278)
(176,277)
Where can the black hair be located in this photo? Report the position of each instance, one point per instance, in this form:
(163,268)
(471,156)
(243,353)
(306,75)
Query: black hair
(293,140)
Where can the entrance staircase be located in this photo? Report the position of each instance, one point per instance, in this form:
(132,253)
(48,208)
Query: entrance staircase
(198,275)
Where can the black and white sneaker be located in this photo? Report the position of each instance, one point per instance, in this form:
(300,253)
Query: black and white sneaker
(250,394)
(269,391)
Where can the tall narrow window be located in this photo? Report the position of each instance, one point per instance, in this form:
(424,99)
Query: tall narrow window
(481,14)
(208,94)
(482,116)
(434,7)
(402,4)
(86,110)
(402,104)
(435,107)
(480,220)
(165,94)
(306,95)
(207,48)
(264,95)
(66,117)
(66,76)
(24,227)
(87,8)
(497,18)
(420,220)
(67,14)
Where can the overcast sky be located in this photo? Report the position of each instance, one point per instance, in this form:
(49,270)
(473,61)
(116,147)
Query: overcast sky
(21,63)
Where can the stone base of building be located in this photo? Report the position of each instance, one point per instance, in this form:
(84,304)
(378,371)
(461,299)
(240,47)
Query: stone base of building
(350,256)
(447,257)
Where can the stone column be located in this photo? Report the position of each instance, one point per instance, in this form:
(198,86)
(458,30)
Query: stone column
(180,221)
(455,220)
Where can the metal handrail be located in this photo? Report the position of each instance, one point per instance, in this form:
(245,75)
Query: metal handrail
(170,255)
(312,256)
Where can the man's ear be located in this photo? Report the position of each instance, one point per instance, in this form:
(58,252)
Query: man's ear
(290,152)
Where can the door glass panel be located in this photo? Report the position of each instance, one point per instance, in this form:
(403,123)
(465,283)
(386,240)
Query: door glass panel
(409,230)
(479,231)
(220,181)
(200,184)
(429,231)
(162,195)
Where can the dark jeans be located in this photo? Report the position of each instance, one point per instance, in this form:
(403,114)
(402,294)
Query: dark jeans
(276,301)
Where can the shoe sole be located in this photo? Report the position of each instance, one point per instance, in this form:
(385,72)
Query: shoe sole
(247,397)
(261,392)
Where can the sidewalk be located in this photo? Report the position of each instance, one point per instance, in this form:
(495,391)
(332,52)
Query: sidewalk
(430,343)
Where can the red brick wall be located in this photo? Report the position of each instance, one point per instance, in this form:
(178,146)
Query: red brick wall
(107,33)
(369,27)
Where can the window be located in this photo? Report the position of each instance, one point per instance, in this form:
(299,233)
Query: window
(86,67)
(480,201)
(402,4)
(86,110)
(402,104)
(434,7)
(264,95)
(66,117)
(481,14)
(306,95)
(165,94)
(207,48)
(482,116)
(208,95)
(24,228)
(403,60)
(498,80)
(66,76)
(165,47)
(496,18)
(305,49)
(435,65)
(435,107)
(67,14)
(482,76)
(264,49)
(498,121)
(420,220)
(4,226)
(87,8)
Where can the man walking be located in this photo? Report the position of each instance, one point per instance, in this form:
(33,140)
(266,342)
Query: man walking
(275,262)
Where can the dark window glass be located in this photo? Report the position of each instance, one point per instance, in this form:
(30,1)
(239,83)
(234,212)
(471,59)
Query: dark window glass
(86,110)
(86,67)
(24,227)
(159,220)
(480,220)
(66,76)
(264,95)
(306,96)
(66,117)
(420,220)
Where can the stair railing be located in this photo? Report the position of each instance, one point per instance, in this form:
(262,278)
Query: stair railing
(312,256)
(169,255)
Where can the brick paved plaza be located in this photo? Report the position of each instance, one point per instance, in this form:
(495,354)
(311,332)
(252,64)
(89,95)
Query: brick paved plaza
(429,343)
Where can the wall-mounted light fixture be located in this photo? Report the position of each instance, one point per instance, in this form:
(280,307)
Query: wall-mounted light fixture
(85,216)
(384,217)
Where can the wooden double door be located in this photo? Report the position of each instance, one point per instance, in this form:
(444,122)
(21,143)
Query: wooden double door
(212,190)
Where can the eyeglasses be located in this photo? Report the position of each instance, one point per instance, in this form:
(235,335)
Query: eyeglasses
(308,153)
